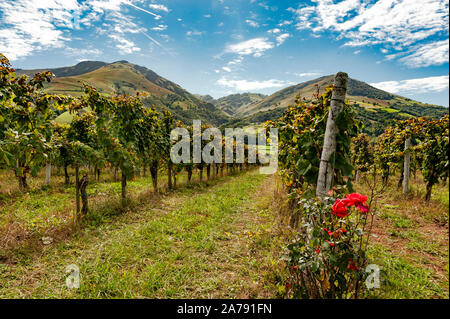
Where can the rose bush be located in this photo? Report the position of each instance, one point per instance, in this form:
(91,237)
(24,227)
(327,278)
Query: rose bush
(327,259)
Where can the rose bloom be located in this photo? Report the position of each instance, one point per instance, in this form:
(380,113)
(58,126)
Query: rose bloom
(359,201)
(363,208)
(339,208)
(347,202)
(357,198)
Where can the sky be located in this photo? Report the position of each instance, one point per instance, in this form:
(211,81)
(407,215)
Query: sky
(221,47)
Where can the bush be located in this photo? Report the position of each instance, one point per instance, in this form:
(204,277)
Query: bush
(328,257)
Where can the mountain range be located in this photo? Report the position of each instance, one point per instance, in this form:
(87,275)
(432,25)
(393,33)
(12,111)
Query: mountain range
(122,77)
(375,108)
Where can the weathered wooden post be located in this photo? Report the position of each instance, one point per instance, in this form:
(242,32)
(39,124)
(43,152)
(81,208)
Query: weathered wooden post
(325,177)
(48,173)
(406,165)
(84,197)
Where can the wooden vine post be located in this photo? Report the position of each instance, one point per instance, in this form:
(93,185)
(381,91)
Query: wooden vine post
(406,165)
(84,197)
(48,173)
(325,177)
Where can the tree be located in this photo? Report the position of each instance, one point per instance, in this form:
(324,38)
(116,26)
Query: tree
(362,154)
(435,148)
(26,118)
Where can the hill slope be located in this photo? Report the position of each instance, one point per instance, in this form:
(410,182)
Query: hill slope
(230,103)
(80,68)
(376,108)
(123,77)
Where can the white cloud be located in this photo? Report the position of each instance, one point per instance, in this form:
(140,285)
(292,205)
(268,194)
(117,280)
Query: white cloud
(281,38)
(435,53)
(308,74)
(274,31)
(227,69)
(191,33)
(245,85)
(125,46)
(283,23)
(159,7)
(160,27)
(254,47)
(207,16)
(82,52)
(103,5)
(252,23)
(28,26)
(421,85)
(398,24)
(236,61)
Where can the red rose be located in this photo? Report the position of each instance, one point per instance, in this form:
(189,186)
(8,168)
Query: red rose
(363,208)
(359,201)
(357,198)
(347,202)
(339,208)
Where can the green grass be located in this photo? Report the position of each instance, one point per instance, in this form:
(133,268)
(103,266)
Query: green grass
(389,110)
(396,220)
(411,243)
(402,279)
(181,248)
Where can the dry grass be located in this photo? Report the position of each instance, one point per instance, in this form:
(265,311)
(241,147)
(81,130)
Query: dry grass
(410,230)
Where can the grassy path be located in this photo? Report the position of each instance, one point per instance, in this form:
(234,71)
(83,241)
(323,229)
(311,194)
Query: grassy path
(197,242)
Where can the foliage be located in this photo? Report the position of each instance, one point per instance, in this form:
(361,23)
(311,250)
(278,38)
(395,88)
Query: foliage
(362,153)
(328,259)
(301,135)
(26,118)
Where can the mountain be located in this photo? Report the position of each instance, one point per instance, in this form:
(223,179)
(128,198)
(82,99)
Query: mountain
(205,98)
(80,68)
(230,103)
(375,108)
(122,77)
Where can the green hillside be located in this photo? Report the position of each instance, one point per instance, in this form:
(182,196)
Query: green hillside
(80,68)
(123,77)
(376,108)
(230,103)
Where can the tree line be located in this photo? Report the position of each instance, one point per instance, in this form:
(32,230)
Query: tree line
(114,132)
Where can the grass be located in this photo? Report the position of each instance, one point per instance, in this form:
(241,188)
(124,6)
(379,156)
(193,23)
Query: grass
(389,110)
(216,241)
(403,279)
(410,242)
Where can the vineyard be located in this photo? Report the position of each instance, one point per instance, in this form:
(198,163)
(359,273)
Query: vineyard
(347,215)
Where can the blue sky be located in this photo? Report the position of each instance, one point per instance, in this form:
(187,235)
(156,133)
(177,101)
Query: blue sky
(219,47)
